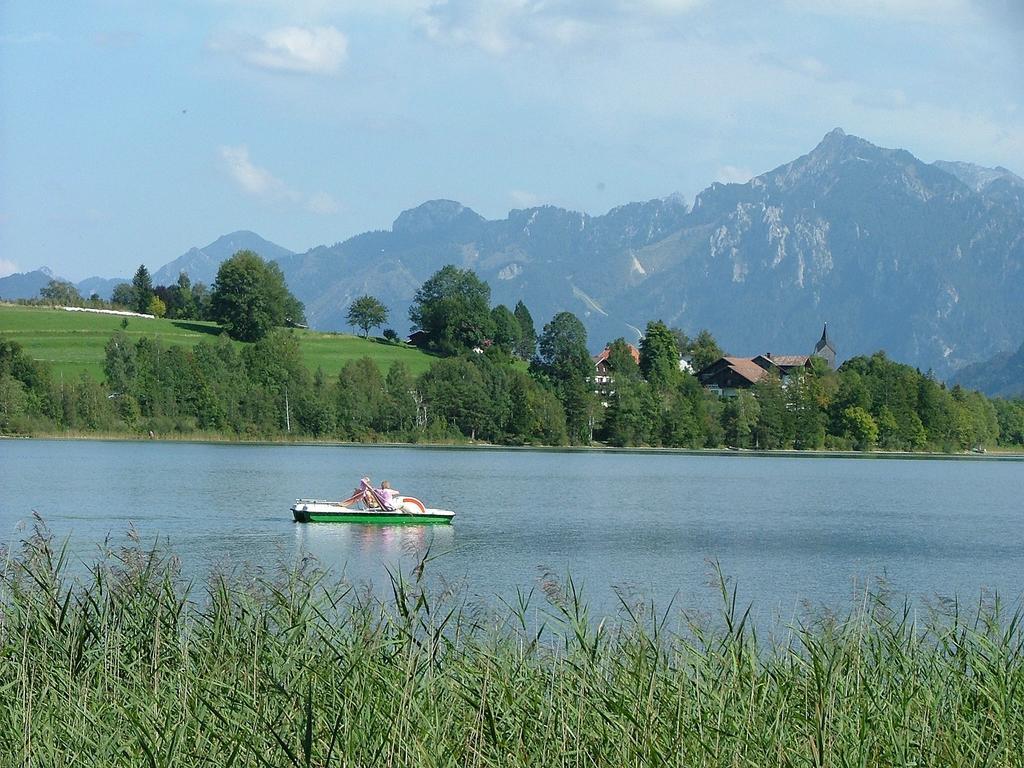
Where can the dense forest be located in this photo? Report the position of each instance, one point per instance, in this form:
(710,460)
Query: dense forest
(496,379)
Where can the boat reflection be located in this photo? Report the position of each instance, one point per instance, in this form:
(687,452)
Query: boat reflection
(386,544)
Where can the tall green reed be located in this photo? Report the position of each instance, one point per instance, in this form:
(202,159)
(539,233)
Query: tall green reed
(132,665)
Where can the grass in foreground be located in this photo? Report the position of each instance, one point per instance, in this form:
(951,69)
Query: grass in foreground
(73,342)
(130,667)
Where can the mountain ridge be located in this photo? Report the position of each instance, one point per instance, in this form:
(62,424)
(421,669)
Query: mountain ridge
(925,260)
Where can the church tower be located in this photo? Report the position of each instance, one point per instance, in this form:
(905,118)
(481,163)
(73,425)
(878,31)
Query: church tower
(824,348)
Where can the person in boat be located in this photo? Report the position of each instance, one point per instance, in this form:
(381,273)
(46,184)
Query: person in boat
(388,494)
(364,493)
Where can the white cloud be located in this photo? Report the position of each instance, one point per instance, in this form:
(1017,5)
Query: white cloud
(936,11)
(501,26)
(301,50)
(250,178)
(494,26)
(314,50)
(8,267)
(258,182)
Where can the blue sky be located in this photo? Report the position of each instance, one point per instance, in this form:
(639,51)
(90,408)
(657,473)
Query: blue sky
(131,131)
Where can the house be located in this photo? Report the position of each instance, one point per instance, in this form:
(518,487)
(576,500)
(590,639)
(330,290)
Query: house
(418,338)
(604,378)
(728,375)
(783,364)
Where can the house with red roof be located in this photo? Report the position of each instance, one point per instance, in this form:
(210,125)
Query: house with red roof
(728,375)
(604,377)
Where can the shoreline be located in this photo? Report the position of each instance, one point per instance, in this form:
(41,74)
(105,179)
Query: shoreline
(998,455)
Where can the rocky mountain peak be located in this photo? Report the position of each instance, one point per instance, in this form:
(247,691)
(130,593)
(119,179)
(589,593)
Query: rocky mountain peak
(435,217)
(978,177)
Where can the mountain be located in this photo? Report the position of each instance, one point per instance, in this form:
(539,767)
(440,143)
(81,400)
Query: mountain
(25,285)
(1000,376)
(895,254)
(101,286)
(201,263)
(552,258)
(923,260)
(978,177)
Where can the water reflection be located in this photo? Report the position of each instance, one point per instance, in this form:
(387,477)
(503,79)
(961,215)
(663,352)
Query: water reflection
(388,543)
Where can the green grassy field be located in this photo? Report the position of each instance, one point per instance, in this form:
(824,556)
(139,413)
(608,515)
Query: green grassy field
(73,342)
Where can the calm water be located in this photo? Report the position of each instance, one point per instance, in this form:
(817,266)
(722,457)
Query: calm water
(788,530)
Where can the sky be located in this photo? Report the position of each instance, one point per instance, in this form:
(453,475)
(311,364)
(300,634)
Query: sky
(133,130)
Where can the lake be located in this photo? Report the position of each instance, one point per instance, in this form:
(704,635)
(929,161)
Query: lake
(791,531)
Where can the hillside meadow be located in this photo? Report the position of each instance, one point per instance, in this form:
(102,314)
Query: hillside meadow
(73,342)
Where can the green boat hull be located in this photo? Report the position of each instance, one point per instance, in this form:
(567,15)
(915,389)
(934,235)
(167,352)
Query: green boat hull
(381,519)
(369,518)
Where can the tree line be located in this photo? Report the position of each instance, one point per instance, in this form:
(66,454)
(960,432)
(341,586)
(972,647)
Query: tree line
(249,297)
(497,380)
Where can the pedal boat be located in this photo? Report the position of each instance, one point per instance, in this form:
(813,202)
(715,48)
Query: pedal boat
(410,511)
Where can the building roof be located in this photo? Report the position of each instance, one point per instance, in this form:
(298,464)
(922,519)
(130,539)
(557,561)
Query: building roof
(787,361)
(745,367)
(824,341)
(598,359)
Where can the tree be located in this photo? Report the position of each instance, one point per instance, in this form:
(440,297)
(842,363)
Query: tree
(275,366)
(704,350)
(124,296)
(739,419)
(61,292)
(156,307)
(201,301)
(681,419)
(367,312)
(861,427)
(293,310)
(659,356)
(12,400)
(631,417)
(507,333)
(563,355)
(808,416)
(455,394)
(250,297)
(453,308)
(359,397)
(564,361)
(177,297)
(526,347)
(119,364)
(142,289)
(399,411)
(621,362)
(186,306)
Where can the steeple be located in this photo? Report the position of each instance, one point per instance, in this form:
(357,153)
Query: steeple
(825,349)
